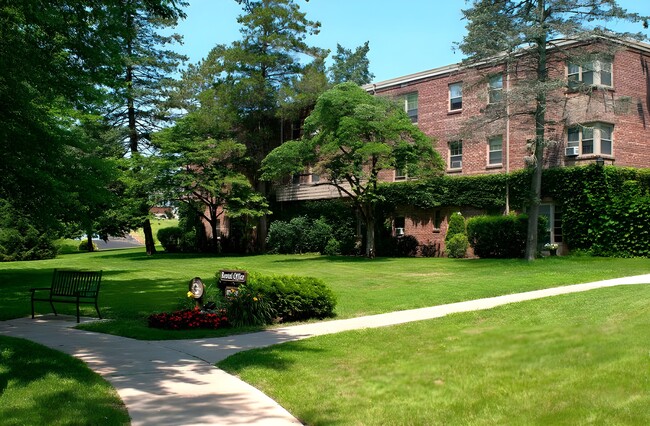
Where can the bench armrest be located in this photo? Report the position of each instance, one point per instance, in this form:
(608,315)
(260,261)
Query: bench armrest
(33,289)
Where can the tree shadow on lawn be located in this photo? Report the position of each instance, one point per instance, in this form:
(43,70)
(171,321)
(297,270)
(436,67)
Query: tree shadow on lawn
(338,259)
(270,358)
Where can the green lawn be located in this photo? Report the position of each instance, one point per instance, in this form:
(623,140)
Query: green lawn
(135,285)
(41,386)
(566,360)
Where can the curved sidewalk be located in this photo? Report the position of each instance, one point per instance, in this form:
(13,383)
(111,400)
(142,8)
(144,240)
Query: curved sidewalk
(174,382)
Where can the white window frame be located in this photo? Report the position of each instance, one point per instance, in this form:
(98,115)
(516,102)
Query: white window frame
(554,215)
(495,89)
(595,135)
(458,87)
(491,145)
(456,155)
(599,69)
(411,106)
(401,174)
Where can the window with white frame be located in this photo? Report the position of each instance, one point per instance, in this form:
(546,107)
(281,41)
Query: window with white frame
(456,155)
(594,73)
(595,138)
(495,150)
(409,102)
(495,89)
(455,96)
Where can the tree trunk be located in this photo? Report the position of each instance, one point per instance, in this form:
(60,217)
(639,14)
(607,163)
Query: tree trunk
(540,122)
(149,242)
(370,238)
(89,236)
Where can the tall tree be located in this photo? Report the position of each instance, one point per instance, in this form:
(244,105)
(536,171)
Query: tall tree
(147,64)
(56,59)
(351,65)
(248,78)
(519,35)
(349,138)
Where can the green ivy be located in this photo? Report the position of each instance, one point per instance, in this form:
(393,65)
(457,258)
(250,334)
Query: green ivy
(605,209)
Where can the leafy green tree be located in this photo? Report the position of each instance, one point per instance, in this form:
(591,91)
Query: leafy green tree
(349,138)
(201,170)
(250,80)
(352,66)
(499,31)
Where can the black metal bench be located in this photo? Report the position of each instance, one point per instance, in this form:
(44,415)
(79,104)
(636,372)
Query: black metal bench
(70,287)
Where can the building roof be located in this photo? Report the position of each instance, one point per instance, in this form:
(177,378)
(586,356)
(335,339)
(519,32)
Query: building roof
(448,69)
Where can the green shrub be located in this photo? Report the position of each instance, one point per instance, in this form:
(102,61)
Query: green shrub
(248,307)
(171,238)
(299,235)
(407,246)
(83,246)
(20,239)
(501,236)
(455,226)
(333,247)
(457,246)
(293,298)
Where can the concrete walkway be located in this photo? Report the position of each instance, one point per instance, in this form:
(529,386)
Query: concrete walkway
(175,383)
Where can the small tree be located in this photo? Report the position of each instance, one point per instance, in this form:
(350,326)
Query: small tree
(349,138)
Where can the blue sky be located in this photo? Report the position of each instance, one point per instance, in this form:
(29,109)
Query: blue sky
(405,36)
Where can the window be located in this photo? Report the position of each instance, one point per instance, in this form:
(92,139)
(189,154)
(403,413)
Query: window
(411,105)
(455,155)
(553,214)
(593,138)
(455,96)
(495,150)
(495,89)
(437,220)
(315,178)
(399,223)
(400,173)
(596,73)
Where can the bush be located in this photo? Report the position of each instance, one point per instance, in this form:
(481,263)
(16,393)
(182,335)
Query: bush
(171,238)
(299,235)
(83,246)
(333,247)
(20,239)
(501,236)
(293,298)
(407,246)
(457,246)
(456,227)
(248,307)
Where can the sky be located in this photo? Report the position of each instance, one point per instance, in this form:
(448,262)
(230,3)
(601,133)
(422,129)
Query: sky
(406,36)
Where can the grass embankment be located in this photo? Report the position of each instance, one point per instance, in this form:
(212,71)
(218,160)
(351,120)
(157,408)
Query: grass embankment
(573,359)
(134,285)
(40,386)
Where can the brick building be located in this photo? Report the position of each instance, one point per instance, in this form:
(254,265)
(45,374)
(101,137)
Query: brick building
(599,112)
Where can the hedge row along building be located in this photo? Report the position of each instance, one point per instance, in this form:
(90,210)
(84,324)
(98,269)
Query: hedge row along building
(597,113)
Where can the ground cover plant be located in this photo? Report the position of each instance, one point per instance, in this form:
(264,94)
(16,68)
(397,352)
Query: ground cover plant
(135,285)
(572,359)
(42,386)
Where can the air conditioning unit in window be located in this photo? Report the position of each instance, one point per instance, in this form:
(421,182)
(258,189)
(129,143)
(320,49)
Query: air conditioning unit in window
(399,232)
(572,151)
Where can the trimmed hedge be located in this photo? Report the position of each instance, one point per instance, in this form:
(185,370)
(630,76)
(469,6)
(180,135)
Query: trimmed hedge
(501,236)
(294,298)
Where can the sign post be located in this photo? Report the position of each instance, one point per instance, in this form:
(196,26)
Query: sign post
(230,280)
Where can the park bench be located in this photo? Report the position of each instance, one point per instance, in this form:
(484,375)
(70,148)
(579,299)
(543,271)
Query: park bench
(70,287)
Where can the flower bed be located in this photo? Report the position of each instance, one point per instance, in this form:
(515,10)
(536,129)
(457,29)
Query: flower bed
(188,319)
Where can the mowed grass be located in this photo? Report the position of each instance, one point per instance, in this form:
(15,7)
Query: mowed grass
(574,359)
(40,386)
(135,285)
